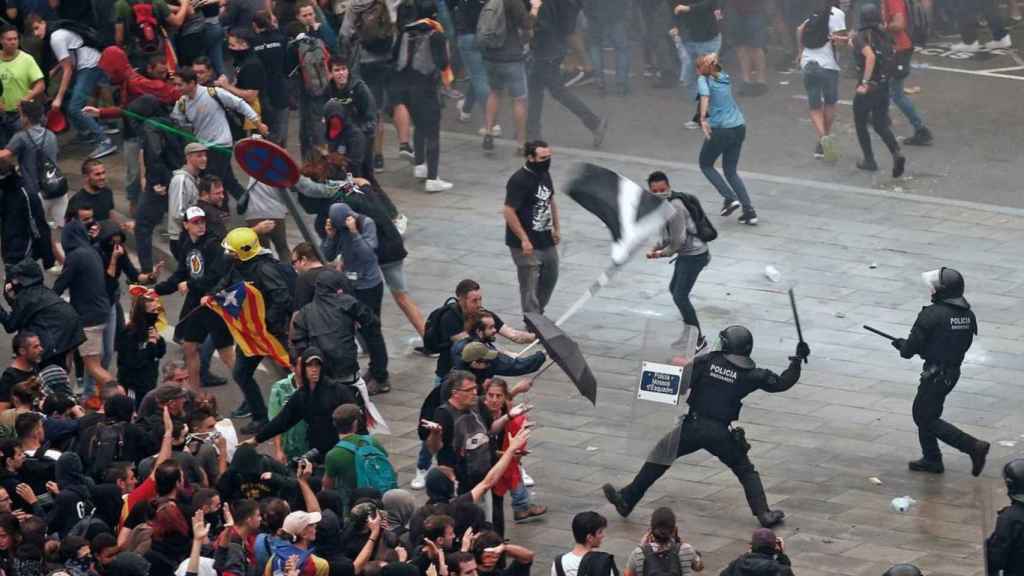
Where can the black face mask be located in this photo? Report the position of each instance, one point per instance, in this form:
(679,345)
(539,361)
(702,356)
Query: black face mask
(239,55)
(539,167)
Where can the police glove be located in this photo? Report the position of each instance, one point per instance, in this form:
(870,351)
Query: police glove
(803,351)
(899,343)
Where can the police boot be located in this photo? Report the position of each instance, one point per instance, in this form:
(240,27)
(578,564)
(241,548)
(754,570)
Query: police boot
(616,499)
(926,465)
(978,458)
(771,518)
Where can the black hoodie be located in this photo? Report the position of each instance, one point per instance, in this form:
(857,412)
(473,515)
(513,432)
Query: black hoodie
(74,501)
(25,233)
(555,21)
(759,564)
(36,308)
(84,275)
(201,264)
(110,231)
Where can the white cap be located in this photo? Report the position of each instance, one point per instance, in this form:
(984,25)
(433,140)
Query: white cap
(194,212)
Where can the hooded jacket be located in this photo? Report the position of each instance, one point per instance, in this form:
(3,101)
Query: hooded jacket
(555,21)
(243,478)
(354,103)
(84,275)
(315,406)
(114,62)
(358,250)
(74,501)
(329,324)
(25,233)
(759,564)
(138,359)
(109,232)
(40,310)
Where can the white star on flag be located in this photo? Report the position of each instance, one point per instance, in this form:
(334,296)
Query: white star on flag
(230,298)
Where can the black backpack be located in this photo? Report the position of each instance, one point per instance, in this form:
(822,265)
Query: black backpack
(52,182)
(815,31)
(593,564)
(88,34)
(662,563)
(434,341)
(705,229)
(105,448)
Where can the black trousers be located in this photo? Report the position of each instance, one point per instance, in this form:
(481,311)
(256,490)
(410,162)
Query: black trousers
(873,108)
(425,109)
(657,44)
(936,383)
(715,437)
(218,163)
(546,75)
(372,335)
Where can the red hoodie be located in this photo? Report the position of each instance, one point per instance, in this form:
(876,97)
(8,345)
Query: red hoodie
(115,63)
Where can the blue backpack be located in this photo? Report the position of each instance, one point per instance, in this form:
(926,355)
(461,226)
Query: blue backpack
(373,469)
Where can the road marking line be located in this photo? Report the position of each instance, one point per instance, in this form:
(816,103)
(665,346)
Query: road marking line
(982,73)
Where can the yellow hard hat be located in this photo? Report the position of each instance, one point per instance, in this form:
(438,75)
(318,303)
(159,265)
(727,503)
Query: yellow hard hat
(243,243)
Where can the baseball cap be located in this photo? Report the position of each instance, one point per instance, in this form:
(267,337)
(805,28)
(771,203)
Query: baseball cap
(193,147)
(169,392)
(296,522)
(477,351)
(193,213)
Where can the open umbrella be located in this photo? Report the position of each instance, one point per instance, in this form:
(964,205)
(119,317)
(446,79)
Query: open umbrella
(565,352)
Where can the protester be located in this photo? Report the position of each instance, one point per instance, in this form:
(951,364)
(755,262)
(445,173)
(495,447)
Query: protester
(818,37)
(767,556)
(664,549)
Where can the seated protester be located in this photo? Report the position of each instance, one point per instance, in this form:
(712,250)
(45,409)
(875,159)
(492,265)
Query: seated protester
(55,380)
(255,476)
(108,500)
(23,399)
(767,556)
(28,351)
(588,532)
(207,444)
(486,360)
(351,114)
(74,501)
(341,462)
(461,564)
(116,439)
(140,345)
(234,549)
(491,552)
(149,489)
(12,459)
(664,537)
(36,308)
(171,541)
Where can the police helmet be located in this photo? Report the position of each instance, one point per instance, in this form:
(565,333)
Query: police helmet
(737,343)
(870,15)
(903,570)
(1013,475)
(947,285)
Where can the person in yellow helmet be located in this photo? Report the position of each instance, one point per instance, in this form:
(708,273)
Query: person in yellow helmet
(250,262)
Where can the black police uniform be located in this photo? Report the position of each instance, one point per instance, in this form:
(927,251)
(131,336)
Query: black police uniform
(717,390)
(941,335)
(1004,549)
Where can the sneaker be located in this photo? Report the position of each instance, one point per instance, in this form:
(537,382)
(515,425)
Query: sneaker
(575,78)
(828,147)
(378,162)
(401,223)
(496,131)
(616,499)
(899,165)
(532,512)
(488,144)
(527,479)
(691,125)
(213,381)
(452,93)
(114,130)
(420,481)
(104,148)
(978,458)
(600,132)
(55,269)
(819,150)
(422,350)
(252,428)
(463,116)
(405,151)
(729,206)
(748,218)
(242,411)
(922,137)
(961,47)
(1004,42)
(588,78)
(420,171)
(868,165)
(374,386)
(926,465)
(438,185)
(771,518)
(650,71)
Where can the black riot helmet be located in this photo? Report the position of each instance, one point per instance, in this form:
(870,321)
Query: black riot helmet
(870,15)
(737,343)
(1013,475)
(903,570)
(947,285)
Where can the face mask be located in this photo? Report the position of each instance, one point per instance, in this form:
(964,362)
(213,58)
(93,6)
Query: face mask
(539,167)
(239,53)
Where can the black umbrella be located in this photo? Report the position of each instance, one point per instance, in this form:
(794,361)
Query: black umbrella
(565,352)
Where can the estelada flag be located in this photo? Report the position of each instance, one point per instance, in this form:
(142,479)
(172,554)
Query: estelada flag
(242,308)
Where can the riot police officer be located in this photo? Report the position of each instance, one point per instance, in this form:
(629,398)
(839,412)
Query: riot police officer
(941,336)
(903,570)
(721,380)
(1004,549)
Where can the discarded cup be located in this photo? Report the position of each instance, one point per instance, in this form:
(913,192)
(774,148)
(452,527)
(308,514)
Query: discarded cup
(876,481)
(772,273)
(902,504)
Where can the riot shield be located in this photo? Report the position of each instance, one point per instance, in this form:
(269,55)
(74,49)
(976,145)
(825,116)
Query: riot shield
(659,393)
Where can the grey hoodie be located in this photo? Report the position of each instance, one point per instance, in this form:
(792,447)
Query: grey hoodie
(358,251)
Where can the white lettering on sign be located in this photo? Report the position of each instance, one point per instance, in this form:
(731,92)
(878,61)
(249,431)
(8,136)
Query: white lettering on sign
(661,383)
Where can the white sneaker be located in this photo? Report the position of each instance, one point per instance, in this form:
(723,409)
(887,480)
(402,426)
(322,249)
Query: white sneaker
(401,223)
(56,269)
(496,131)
(1004,42)
(438,185)
(463,117)
(527,479)
(691,125)
(420,171)
(961,47)
(420,481)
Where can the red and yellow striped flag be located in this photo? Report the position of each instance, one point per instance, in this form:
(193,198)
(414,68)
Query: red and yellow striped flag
(242,308)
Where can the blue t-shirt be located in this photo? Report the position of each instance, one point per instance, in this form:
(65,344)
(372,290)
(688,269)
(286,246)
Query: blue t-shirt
(722,109)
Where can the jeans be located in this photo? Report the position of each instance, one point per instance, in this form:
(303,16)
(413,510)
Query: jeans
(245,368)
(727,143)
(425,458)
(873,107)
(520,497)
(372,297)
(133,177)
(276,120)
(206,350)
(546,75)
(684,276)
(615,33)
(936,384)
(311,124)
(904,103)
(473,58)
(83,85)
(213,40)
(693,51)
(538,275)
(425,109)
(10,123)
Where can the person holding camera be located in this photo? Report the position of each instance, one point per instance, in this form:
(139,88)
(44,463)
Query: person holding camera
(767,557)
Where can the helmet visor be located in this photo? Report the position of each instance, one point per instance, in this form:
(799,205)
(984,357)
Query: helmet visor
(932,279)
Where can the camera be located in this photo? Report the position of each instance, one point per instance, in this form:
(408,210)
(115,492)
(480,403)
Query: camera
(312,457)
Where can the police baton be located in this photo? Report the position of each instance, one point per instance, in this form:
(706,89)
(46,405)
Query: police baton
(796,319)
(879,332)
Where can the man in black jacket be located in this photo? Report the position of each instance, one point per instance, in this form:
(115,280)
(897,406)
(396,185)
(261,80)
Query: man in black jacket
(200,267)
(721,380)
(25,235)
(252,263)
(37,309)
(554,20)
(941,336)
(767,557)
(1004,549)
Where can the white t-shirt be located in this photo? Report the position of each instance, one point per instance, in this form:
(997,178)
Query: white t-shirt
(570,564)
(825,56)
(65,42)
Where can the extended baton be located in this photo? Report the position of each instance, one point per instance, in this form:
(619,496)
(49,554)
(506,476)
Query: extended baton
(796,319)
(879,332)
